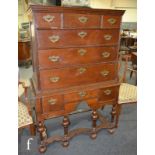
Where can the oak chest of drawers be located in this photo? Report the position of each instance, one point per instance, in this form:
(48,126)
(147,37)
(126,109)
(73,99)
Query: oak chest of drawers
(75,58)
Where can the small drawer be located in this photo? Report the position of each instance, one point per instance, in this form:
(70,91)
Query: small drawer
(80,95)
(81,21)
(111,21)
(52,103)
(58,58)
(47,20)
(109,93)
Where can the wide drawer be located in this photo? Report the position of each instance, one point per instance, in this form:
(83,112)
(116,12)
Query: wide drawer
(81,21)
(75,38)
(111,21)
(72,56)
(52,103)
(47,20)
(85,74)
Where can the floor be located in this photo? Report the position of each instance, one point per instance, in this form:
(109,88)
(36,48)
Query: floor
(122,142)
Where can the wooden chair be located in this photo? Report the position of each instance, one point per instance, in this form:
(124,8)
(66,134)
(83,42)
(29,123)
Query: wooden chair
(127,94)
(24,110)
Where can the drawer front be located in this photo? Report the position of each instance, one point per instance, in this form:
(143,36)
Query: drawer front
(111,21)
(47,20)
(75,38)
(86,74)
(72,56)
(108,93)
(80,95)
(52,103)
(81,21)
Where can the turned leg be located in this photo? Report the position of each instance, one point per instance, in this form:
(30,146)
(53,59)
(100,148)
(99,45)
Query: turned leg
(94,119)
(43,136)
(65,124)
(113,113)
(118,111)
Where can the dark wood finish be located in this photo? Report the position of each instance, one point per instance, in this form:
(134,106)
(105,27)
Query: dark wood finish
(71,38)
(87,21)
(111,21)
(53,20)
(75,58)
(77,75)
(24,56)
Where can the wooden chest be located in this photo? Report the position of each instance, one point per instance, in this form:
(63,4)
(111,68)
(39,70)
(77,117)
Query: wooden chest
(75,58)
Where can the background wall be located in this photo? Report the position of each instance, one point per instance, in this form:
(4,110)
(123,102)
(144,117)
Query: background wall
(129,5)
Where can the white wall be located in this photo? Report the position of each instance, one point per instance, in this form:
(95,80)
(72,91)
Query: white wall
(129,5)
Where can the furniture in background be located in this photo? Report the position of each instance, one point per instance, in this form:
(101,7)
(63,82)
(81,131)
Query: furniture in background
(127,93)
(24,111)
(24,56)
(75,58)
(133,67)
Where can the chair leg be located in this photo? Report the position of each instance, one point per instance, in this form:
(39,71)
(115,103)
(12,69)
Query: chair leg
(118,112)
(32,129)
(102,107)
(113,113)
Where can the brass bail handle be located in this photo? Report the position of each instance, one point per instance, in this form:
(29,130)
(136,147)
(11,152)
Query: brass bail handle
(48,18)
(52,101)
(107,92)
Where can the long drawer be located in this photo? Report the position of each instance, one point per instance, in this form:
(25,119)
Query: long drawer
(73,56)
(75,38)
(73,76)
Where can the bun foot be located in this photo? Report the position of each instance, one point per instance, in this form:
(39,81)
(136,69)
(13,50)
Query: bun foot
(42,148)
(111,131)
(65,144)
(93,135)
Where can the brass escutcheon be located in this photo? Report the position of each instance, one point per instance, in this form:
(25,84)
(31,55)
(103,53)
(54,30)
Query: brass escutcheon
(112,21)
(52,101)
(105,54)
(81,70)
(107,37)
(82,52)
(54,79)
(104,73)
(107,92)
(54,58)
(48,18)
(54,38)
(83,19)
(82,93)
(82,34)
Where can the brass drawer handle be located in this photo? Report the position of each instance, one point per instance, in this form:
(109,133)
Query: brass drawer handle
(48,18)
(112,21)
(54,58)
(54,79)
(81,70)
(107,92)
(104,73)
(105,54)
(82,52)
(82,93)
(54,38)
(107,37)
(82,34)
(83,19)
(52,101)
